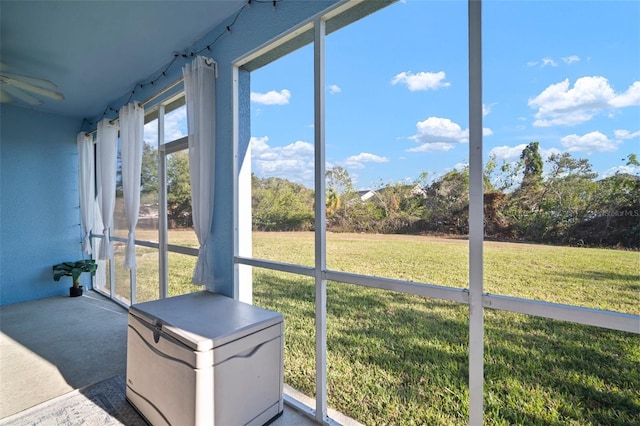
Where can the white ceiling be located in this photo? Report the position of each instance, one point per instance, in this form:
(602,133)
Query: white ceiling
(96,51)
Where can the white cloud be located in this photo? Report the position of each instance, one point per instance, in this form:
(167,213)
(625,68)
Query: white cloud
(507,154)
(571,59)
(440,134)
(436,129)
(629,98)
(293,162)
(632,170)
(486,110)
(560,104)
(334,88)
(260,149)
(548,62)
(272,97)
(625,134)
(546,153)
(461,166)
(421,80)
(151,133)
(589,143)
(175,124)
(296,149)
(511,154)
(357,161)
(433,147)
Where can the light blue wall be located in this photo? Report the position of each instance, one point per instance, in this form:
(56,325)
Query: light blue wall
(39,207)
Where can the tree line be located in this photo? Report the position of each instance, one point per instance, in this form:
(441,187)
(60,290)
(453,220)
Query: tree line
(557,201)
(566,205)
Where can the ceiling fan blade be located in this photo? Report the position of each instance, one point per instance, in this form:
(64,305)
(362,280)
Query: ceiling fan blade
(31,88)
(5,98)
(15,92)
(40,82)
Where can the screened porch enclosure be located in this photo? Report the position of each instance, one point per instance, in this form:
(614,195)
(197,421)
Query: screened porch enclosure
(384,323)
(426,338)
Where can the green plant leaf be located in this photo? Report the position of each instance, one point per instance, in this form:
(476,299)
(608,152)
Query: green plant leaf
(74,269)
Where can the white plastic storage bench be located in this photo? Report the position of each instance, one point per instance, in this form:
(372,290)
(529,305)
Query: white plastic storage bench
(205,359)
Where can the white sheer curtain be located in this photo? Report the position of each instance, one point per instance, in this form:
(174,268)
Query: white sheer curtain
(199,87)
(107,144)
(131,140)
(86,188)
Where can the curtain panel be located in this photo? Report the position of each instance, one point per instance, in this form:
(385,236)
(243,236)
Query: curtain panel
(131,140)
(199,87)
(107,151)
(86,187)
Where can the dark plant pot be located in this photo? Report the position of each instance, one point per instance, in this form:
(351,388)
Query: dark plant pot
(75,291)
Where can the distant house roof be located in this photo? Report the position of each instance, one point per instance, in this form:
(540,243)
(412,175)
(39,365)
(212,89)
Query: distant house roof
(366,194)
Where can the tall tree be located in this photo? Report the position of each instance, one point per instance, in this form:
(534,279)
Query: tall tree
(338,179)
(179,190)
(345,210)
(332,202)
(567,197)
(522,210)
(532,166)
(149,170)
(447,203)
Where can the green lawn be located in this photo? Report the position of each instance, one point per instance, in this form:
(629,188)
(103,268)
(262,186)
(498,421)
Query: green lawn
(402,359)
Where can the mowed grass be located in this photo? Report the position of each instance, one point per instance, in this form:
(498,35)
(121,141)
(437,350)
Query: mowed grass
(397,359)
(147,264)
(589,277)
(401,359)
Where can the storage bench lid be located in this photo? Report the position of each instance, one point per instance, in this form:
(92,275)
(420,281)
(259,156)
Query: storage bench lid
(205,320)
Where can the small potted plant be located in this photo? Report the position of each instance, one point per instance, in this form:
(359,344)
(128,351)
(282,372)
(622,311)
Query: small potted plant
(74,270)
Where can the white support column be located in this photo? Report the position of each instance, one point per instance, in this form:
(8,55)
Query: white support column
(476,218)
(320,222)
(163,259)
(242,237)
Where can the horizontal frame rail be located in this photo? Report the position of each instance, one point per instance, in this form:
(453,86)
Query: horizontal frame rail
(190,251)
(276,266)
(577,314)
(460,295)
(604,319)
(137,242)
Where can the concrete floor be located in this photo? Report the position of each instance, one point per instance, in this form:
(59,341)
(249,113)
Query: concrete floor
(50,347)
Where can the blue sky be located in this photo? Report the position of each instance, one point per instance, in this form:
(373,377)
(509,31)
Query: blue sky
(565,74)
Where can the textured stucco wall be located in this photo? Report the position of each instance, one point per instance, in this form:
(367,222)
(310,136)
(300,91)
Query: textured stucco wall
(39,207)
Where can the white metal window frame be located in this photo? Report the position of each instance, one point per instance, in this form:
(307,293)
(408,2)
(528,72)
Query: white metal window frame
(474,296)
